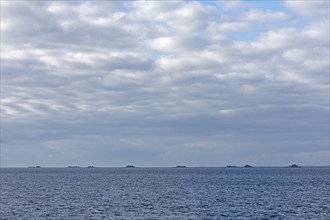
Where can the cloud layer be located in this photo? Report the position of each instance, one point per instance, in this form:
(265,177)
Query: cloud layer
(158,83)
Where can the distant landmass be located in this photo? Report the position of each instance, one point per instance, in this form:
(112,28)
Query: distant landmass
(73,167)
(234,166)
(294,166)
(183,166)
(35,167)
(180,166)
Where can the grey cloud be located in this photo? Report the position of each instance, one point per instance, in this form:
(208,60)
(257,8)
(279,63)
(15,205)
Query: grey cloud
(118,79)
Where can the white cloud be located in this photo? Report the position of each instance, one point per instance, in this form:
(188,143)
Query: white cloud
(310,8)
(162,75)
(318,32)
(265,16)
(163,43)
(279,39)
(230,26)
(175,15)
(230,5)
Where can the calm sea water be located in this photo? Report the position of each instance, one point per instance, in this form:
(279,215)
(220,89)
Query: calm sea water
(165,193)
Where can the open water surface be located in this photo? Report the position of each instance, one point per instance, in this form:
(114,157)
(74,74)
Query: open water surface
(165,193)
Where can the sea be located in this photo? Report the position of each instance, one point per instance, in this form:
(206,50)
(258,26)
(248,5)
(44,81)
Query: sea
(165,193)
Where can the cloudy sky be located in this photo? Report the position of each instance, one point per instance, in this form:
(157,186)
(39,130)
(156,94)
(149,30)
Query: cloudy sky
(162,83)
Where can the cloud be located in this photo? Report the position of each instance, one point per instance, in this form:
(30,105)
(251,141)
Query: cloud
(316,8)
(264,16)
(230,5)
(158,82)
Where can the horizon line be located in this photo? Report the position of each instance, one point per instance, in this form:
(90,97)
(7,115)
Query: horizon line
(176,166)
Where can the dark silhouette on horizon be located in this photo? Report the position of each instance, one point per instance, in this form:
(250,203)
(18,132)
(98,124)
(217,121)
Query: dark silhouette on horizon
(180,166)
(294,166)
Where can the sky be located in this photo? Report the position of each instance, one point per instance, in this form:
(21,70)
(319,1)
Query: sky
(164,83)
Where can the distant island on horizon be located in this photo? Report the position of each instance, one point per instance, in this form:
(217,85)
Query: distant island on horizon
(177,166)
